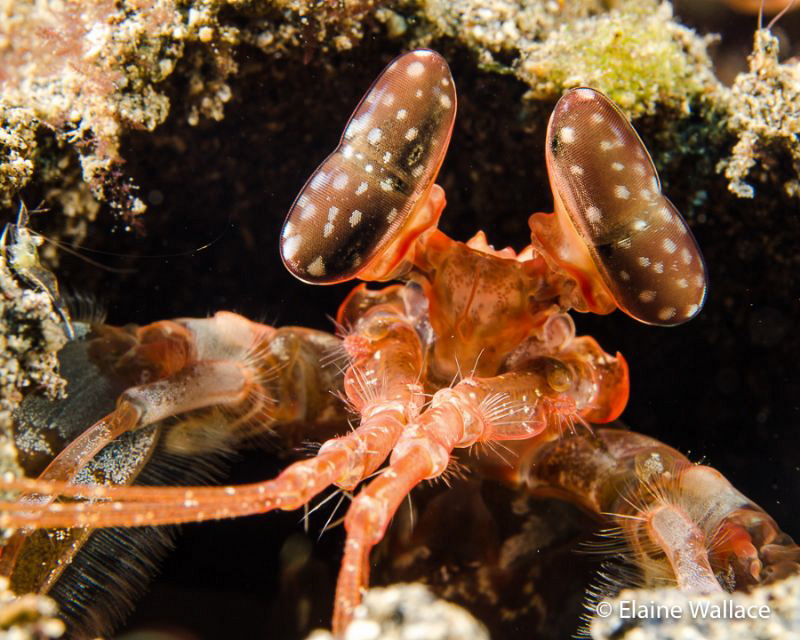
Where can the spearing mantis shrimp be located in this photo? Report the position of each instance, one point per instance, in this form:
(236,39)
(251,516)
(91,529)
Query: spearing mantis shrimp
(370,211)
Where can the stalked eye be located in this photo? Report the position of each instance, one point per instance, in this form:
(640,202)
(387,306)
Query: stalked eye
(366,193)
(605,184)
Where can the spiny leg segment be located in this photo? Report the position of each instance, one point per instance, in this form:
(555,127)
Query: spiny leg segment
(516,405)
(677,523)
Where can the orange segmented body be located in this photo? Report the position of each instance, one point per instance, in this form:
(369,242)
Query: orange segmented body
(607,192)
(368,191)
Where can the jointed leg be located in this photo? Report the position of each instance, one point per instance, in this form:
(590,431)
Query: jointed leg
(381,383)
(682,523)
(515,405)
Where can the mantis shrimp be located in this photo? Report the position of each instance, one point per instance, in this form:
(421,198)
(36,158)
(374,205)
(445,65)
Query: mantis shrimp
(370,212)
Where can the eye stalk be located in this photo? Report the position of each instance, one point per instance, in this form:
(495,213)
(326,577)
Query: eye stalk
(622,240)
(366,204)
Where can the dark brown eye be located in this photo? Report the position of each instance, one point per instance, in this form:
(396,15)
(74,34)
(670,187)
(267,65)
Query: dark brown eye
(605,184)
(361,197)
(558,375)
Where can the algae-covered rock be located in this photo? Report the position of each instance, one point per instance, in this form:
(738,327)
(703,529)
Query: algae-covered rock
(764,108)
(636,54)
(89,72)
(31,335)
(86,74)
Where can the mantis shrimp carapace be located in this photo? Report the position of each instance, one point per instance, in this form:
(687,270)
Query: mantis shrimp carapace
(473,345)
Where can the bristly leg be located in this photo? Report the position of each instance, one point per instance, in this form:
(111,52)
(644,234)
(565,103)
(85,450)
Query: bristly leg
(466,414)
(381,384)
(674,522)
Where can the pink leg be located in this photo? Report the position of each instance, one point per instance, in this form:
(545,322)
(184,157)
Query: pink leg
(381,384)
(515,405)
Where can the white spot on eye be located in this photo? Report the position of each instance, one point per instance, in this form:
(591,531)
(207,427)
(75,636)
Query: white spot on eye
(374,136)
(388,99)
(597,118)
(669,245)
(665,214)
(621,191)
(340,181)
(566,135)
(617,166)
(699,280)
(317,267)
(355,126)
(666,313)
(576,170)
(355,218)
(606,145)
(369,168)
(361,188)
(411,134)
(687,256)
(415,69)
(639,224)
(585,94)
(332,213)
(288,230)
(624,275)
(327,230)
(401,114)
(593,215)
(654,183)
(644,261)
(445,82)
(418,93)
(392,215)
(647,295)
(445,101)
(359,155)
(290,247)
(639,169)
(347,152)
(683,283)
(625,243)
(387,155)
(308,212)
(691,310)
(319,179)
(302,201)
(646,194)
(386,185)
(417,171)
(658,267)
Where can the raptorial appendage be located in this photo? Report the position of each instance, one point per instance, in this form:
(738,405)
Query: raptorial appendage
(674,522)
